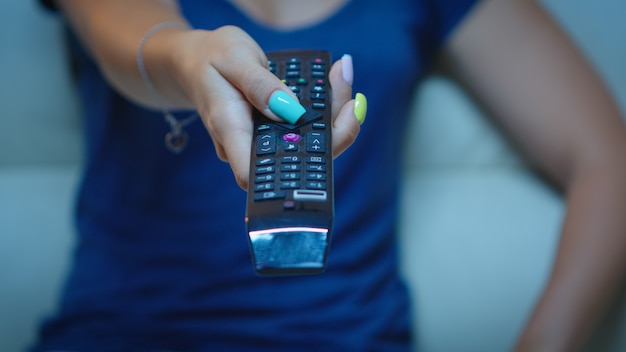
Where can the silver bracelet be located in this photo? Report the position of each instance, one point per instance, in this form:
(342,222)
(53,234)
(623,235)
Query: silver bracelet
(176,139)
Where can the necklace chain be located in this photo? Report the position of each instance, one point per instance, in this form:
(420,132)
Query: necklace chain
(176,139)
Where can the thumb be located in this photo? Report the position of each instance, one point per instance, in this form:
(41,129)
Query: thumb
(346,117)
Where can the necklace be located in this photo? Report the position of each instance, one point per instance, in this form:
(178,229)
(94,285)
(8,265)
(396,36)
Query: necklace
(176,139)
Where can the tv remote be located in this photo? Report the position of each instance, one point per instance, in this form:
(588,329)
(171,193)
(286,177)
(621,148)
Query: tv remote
(290,205)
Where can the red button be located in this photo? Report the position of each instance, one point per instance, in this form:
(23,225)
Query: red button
(291,137)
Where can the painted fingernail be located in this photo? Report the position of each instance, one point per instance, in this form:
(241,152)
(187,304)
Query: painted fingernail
(285,106)
(360,107)
(346,69)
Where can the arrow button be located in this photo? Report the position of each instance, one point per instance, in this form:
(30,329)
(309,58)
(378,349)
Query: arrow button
(315,142)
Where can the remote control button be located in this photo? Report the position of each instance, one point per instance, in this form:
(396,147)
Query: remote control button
(291,137)
(269,195)
(295,89)
(316,160)
(316,185)
(291,147)
(317,67)
(290,159)
(266,144)
(264,187)
(293,74)
(316,176)
(319,82)
(318,89)
(293,60)
(290,185)
(290,167)
(264,178)
(319,106)
(315,142)
(289,176)
(316,167)
(302,81)
(264,170)
(318,61)
(263,128)
(318,96)
(265,161)
(309,195)
(318,74)
(293,67)
(319,126)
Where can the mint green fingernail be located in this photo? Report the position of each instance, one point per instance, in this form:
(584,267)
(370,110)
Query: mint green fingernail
(285,106)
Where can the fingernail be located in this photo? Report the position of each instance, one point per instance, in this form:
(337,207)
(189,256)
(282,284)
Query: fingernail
(360,107)
(285,106)
(346,69)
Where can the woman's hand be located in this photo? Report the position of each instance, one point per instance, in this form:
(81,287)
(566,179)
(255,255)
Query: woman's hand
(224,74)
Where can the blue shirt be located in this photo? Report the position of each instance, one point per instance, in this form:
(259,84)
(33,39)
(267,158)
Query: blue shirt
(162,259)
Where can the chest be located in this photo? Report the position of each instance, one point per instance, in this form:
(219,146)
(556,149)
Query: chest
(288,14)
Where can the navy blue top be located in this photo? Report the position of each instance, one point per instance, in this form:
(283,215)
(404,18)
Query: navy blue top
(162,260)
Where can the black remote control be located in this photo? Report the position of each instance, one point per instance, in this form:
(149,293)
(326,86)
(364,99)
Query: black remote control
(290,206)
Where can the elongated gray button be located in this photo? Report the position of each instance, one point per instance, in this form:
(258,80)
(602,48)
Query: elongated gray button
(309,195)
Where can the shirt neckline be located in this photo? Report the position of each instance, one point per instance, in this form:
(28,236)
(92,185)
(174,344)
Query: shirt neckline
(332,17)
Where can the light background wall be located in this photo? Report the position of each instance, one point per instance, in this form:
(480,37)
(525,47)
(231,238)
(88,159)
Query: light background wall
(457,269)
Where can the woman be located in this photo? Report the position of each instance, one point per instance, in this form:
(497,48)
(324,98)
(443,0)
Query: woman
(162,261)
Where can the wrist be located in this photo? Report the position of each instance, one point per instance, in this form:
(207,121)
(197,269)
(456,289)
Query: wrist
(160,54)
(188,62)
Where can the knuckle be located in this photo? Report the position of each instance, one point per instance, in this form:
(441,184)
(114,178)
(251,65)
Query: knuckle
(241,180)
(351,134)
(256,86)
(351,137)
(345,138)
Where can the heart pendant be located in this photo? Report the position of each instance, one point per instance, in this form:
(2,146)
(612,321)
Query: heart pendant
(176,142)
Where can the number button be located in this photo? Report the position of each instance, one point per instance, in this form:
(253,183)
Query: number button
(290,159)
(289,176)
(290,167)
(264,187)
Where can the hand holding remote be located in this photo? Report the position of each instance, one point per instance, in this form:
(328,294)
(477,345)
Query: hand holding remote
(290,206)
(225,74)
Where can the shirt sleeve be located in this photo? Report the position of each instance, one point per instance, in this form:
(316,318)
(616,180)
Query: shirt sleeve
(48,4)
(445,16)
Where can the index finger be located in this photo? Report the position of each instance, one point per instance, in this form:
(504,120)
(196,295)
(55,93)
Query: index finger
(246,67)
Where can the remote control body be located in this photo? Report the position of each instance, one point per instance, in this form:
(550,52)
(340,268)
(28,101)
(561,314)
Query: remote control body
(290,205)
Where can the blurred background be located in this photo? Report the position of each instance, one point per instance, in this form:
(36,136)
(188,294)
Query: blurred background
(478,228)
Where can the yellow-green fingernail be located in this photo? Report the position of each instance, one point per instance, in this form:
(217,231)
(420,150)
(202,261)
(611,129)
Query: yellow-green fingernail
(360,107)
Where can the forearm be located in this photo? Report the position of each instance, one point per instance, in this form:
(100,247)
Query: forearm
(112,30)
(590,266)
(526,72)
